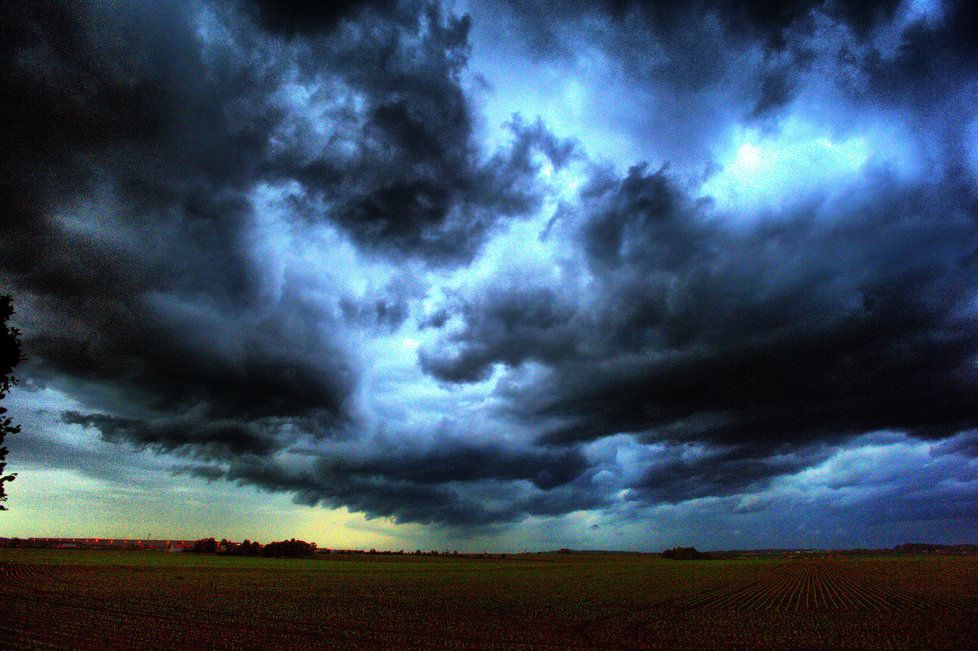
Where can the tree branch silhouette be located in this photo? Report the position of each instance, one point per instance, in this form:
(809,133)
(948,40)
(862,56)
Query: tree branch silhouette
(10,356)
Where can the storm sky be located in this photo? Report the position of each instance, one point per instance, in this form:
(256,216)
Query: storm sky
(490,275)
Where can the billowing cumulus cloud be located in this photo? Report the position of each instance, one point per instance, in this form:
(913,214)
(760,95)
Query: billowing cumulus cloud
(491,267)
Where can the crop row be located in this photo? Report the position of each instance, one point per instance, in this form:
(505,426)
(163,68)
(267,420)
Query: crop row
(36,575)
(107,610)
(597,604)
(807,586)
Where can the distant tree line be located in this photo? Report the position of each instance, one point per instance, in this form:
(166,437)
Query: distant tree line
(299,548)
(928,548)
(281,549)
(686,554)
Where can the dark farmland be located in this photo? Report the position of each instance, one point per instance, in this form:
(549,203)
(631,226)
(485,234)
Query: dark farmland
(113,599)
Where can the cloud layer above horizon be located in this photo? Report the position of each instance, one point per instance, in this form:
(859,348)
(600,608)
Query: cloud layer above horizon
(484,266)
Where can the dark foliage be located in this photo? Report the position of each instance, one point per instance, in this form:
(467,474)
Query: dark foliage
(289,549)
(928,548)
(686,554)
(10,356)
(247,548)
(205,546)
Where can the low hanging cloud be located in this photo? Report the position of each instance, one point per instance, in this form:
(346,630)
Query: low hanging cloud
(447,478)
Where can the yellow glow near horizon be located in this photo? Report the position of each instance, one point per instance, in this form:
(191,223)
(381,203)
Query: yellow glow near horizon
(67,504)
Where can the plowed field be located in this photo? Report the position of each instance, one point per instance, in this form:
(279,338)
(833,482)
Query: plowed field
(813,585)
(98,600)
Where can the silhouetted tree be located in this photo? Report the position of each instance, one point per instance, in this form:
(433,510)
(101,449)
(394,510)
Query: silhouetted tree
(289,549)
(10,356)
(247,548)
(205,546)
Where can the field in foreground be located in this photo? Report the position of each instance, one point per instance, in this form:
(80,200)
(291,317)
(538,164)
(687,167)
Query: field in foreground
(95,599)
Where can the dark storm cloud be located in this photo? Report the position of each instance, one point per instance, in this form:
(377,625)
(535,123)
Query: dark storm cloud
(794,328)
(165,355)
(451,480)
(82,107)
(666,77)
(447,462)
(399,166)
(765,22)
(416,185)
(137,136)
(929,50)
(935,59)
(506,324)
(878,491)
(187,126)
(211,437)
(747,19)
(149,146)
(964,444)
(898,492)
(125,197)
(677,475)
(127,193)
(49,448)
(295,17)
(721,62)
(383,313)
